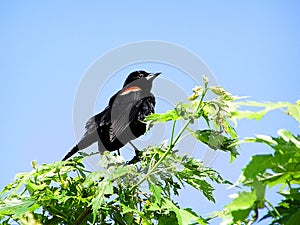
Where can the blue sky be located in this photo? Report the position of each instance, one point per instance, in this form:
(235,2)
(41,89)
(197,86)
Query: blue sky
(252,47)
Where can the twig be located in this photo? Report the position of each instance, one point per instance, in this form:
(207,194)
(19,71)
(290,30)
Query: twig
(83,215)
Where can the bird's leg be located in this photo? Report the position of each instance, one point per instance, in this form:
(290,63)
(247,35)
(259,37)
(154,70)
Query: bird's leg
(136,151)
(136,158)
(100,147)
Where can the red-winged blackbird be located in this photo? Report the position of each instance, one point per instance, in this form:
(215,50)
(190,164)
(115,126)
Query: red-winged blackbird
(121,121)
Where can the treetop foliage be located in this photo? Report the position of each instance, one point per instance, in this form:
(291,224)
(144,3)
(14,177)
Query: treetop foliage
(142,192)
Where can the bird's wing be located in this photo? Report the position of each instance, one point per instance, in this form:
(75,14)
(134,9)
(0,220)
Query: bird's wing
(101,119)
(125,109)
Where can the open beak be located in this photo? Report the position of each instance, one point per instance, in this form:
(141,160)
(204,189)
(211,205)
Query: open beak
(152,76)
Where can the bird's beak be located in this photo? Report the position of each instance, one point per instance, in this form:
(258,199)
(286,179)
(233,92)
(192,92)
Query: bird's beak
(152,76)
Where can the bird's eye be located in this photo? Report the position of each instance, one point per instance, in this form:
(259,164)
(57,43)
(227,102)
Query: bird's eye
(140,75)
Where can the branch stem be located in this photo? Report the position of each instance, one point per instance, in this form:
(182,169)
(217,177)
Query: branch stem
(275,210)
(82,216)
(173,142)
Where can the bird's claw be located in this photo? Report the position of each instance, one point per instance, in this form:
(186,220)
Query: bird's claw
(136,158)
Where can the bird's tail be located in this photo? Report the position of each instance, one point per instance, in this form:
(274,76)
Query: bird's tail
(70,153)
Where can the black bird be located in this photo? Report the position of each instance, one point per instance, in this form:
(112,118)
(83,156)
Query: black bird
(121,121)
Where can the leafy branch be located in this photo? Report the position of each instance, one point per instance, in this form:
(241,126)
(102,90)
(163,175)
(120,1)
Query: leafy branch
(142,193)
(280,168)
(66,193)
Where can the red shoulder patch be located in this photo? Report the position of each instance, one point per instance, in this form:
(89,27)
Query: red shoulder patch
(130,89)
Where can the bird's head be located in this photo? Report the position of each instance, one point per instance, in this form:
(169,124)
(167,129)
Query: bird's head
(141,79)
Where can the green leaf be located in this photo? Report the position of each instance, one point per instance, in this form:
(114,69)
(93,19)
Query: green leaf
(126,209)
(215,140)
(168,219)
(198,90)
(121,171)
(287,136)
(32,187)
(18,207)
(240,215)
(221,92)
(265,139)
(243,200)
(203,186)
(196,174)
(292,193)
(238,210)
(104,188)
(163,117)
(188,218)
(294,219)
(184,216)
(292,109)
(156,190)
(258,165)
(249,114)
(260,190)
